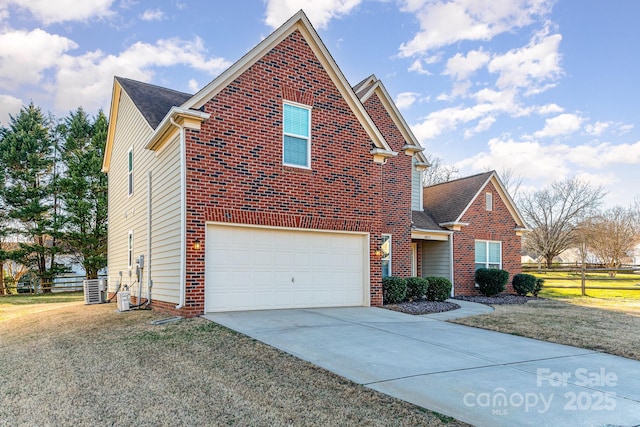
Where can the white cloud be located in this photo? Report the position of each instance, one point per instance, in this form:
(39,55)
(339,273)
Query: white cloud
(319,12)
(406,99)
(560,125)
(86,80)
(461,66)
(193,85)
(153,15)
(9,105)
(449,119)
(445,23)
(49,12)
(417,67)
(597,128)
(549,109)
(548,163)
(531,67)
(24,56)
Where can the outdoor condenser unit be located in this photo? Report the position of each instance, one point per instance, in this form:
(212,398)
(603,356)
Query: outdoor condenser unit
(95,291)
(123,301)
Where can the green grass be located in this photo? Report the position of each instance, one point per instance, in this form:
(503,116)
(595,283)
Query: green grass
(24,299)
(594,279)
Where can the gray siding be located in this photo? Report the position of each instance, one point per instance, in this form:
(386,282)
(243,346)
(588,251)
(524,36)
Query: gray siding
(436,259)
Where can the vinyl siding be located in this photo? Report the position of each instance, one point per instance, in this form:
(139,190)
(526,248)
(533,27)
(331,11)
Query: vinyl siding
(416,189)
(130,212)
(165,235)
(436,259)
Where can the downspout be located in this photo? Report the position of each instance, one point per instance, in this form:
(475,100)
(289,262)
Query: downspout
(183,214)
(149,218)
(453,285)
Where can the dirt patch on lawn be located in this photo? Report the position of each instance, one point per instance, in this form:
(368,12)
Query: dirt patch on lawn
(90,366)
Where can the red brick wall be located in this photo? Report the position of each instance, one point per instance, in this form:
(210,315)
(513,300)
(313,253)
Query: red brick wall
(396,190)
(234,163)
(497,225)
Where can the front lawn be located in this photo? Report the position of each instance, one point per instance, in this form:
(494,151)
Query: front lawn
(608,325)
(90,366)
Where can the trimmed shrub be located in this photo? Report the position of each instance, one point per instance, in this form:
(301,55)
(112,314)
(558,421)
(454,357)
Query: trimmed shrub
(439,289)
(538,287)
(524,283)
(491,281)
(394,290)
(416,288)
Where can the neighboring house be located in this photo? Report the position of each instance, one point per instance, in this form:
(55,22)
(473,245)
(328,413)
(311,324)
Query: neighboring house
(466,224)
(275,186)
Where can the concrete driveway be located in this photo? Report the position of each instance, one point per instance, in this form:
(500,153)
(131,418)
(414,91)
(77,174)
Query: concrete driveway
(484,378)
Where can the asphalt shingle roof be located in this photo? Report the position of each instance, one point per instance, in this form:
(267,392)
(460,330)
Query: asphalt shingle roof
(154,102)
(423,221)
(445,202)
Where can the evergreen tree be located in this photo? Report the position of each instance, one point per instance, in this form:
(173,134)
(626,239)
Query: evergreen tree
(27,158)
(84,190)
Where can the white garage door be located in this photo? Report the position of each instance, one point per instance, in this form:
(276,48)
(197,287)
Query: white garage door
(251,268)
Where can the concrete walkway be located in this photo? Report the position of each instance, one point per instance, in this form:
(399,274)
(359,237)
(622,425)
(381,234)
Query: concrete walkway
(482,377)
(467,308)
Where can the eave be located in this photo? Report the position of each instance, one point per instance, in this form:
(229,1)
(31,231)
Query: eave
(435,235)
(190,119)
(454,226)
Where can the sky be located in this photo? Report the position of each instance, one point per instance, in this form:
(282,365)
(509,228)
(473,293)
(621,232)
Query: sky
(545,89)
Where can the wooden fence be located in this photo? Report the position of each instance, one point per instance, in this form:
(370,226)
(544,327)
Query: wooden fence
(589,275)
(59,284)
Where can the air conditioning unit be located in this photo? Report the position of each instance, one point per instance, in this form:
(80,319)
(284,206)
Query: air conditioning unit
(123,301)
(94,291)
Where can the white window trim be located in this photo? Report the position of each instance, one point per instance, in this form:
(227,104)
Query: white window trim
(488,198)
(486,242)
(130,172)
(130,249)
(390,257)
(293,135)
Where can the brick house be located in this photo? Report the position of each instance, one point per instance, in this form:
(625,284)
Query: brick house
(278,185)
(469,223)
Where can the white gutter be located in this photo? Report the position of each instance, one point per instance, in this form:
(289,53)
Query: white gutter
(148,263)
(183,214)
(453,285)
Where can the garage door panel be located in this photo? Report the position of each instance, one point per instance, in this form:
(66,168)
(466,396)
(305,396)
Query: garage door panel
(251,268)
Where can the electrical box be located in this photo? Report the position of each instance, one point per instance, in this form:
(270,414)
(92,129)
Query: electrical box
(123,301)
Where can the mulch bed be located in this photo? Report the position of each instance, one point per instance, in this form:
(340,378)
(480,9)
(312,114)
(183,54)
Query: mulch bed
(427,307)
(423,307)
(496,300)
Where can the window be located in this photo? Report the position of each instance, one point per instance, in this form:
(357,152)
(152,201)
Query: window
(386,255)
(296,147)
(130,249)
(489,201)
(130,173)
(488,254)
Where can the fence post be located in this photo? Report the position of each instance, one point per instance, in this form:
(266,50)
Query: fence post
(583,272)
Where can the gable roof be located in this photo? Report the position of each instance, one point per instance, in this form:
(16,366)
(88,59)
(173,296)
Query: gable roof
(370,85)
(174,102)
(154,102)
(298,22)
(447,202)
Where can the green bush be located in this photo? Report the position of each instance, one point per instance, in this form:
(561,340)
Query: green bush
(394,290)
(524,283)
(416,288)
(538,287)
(439,289)
(491,281)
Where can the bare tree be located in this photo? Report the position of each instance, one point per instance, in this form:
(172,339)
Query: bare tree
(438,172)
(553,214)
(511,181)
(612,236)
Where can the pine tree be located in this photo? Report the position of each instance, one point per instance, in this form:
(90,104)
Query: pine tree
(84,190)
(27,157)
